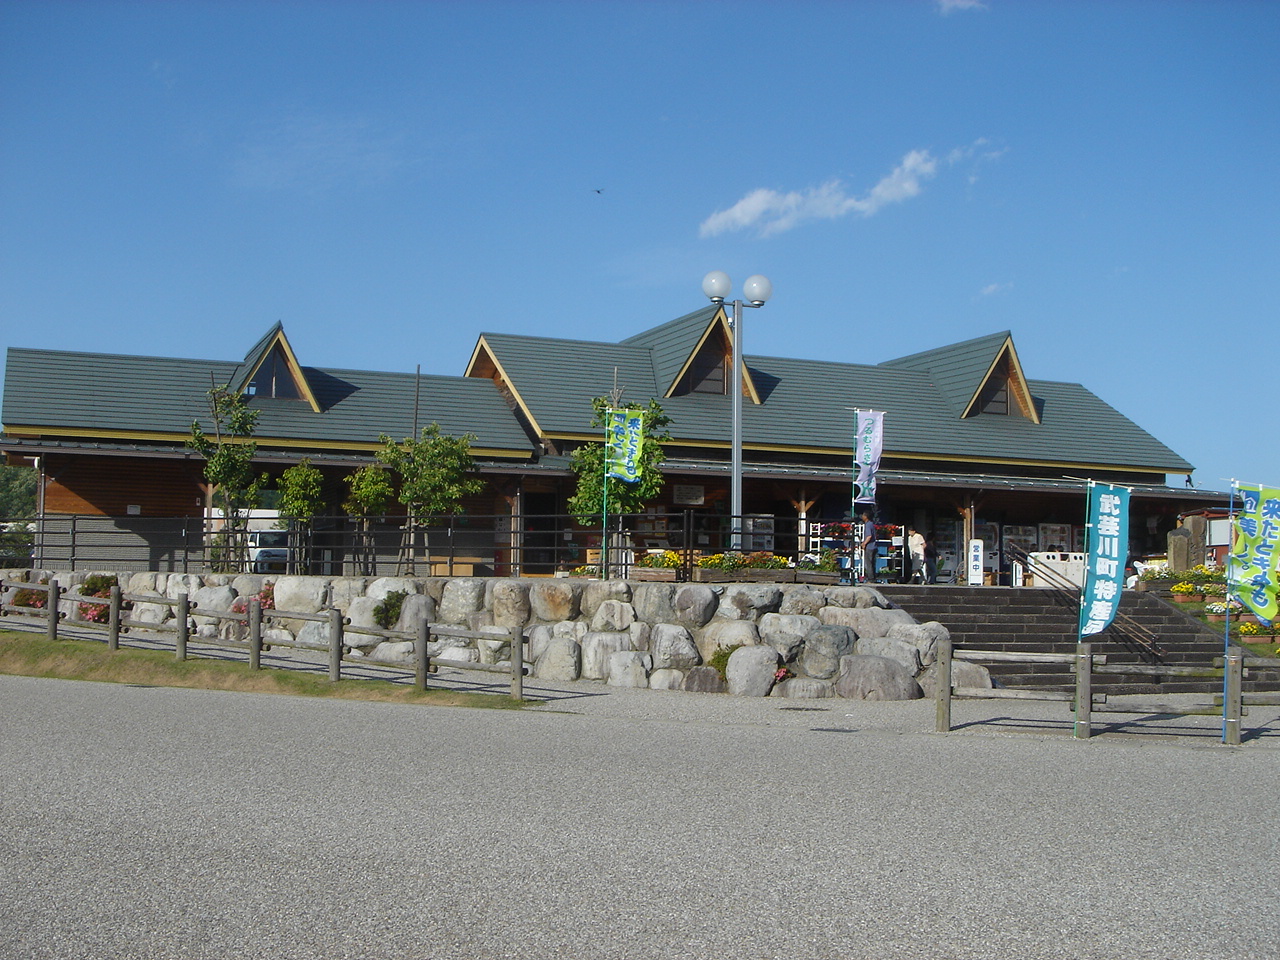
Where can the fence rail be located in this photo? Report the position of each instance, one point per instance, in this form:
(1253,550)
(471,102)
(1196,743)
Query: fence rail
(1230,704)
(253,617)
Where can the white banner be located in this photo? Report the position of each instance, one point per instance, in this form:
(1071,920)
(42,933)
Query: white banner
(868,444)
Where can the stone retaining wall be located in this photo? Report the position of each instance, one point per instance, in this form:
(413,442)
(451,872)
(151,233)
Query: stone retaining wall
(792,640)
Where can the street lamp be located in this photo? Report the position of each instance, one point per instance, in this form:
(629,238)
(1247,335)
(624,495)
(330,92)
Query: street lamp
(716,285)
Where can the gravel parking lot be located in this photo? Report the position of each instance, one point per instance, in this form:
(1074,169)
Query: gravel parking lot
(156,823)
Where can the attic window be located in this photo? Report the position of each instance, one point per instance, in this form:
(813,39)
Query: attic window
(995,394)
(708,372)
(273,378)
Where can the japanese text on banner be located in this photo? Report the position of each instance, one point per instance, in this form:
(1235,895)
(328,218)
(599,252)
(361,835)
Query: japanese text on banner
(1108,550)
(868,445)
(624,432)
(1252,565)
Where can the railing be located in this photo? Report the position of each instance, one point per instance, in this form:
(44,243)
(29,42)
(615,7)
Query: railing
(1124,627)
(339,628)
(1230,705)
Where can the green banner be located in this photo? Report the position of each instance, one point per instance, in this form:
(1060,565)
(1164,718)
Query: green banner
(1251,567)
(624,433)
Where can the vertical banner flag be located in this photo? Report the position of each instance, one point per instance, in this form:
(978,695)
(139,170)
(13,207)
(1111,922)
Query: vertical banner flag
(868,443)
(1251,569)
(624,431)
(1104,561)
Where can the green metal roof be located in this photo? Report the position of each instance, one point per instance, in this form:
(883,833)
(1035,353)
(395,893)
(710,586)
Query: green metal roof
(672,344)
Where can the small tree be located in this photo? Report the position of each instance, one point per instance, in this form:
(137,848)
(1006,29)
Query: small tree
(229,465)
(301,499)
(370,494)
(587,462)
(433,473)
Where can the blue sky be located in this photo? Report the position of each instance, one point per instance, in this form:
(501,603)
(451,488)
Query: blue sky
(390,180)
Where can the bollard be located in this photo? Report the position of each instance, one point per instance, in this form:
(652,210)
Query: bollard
(423,659)
(517,663)
(255,634)
(1231,700)
(113,620)
(942,695)
(54,593)
(335,644)
(184,627)
(1084,691)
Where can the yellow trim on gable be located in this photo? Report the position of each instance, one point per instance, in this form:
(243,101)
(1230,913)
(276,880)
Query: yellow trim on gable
(506,379)
(295,369)
(1017,381)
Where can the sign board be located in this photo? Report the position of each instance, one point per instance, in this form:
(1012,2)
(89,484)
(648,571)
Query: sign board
(974,564)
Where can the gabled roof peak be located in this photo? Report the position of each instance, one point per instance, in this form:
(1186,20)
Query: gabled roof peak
(274,352)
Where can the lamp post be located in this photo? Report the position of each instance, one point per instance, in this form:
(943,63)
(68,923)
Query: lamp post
(757,289)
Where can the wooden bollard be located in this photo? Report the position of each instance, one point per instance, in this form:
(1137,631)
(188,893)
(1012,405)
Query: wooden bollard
(113,620)
(1083,727)
(422,658)
(517,663)
(54,594)
(1231,700)
(943,694)
(184,627)
(335,644)
(255,634)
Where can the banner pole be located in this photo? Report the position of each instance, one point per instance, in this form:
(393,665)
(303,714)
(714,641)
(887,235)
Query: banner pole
(604,505)
(1078,720)
(1226,621)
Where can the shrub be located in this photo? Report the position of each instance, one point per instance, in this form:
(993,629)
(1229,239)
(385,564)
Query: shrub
(720,660)
(387,613)
(97,585)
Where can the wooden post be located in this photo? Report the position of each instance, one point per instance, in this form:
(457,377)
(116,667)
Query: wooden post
(1231,701)
(422,658)
(1084,691)
(113,620)
(54,593)
(255,634)
(517,663)
(942,695)
(335,644)
(184,609)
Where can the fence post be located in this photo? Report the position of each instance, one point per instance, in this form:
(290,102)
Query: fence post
(113,620)
(1231,701)
(517,663)
(1084,691)
(255,634)
(942,693)
(423,659)
(335,644)
(184,609)
(54,593)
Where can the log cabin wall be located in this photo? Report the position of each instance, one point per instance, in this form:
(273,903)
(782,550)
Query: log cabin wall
(108,486)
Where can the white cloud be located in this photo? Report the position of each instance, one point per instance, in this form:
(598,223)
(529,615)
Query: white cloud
(318,153)
(991,289)
(772,212)
(951,6)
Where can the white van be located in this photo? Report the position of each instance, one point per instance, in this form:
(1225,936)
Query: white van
(268,551)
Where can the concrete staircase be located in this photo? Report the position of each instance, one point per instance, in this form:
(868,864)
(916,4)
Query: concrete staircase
(1039,620)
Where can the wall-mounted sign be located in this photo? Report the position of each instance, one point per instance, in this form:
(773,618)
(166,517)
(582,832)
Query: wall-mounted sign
(688,494)
(974,564)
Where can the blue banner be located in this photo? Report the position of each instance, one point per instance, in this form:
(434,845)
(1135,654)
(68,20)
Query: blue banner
(1104,562)
(624,433)
(1251,566)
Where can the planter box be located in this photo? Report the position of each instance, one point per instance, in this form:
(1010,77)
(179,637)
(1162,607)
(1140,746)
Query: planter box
(668,574)
(705,575)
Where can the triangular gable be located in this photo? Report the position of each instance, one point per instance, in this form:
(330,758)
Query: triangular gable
(484,364)
(961,372)
(1005,367)
(272,357)
(704,337)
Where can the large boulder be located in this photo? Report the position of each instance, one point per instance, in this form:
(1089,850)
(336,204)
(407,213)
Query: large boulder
(212,598)
(596,650)
(752,671)
(415,608)
(804,688)
(902,651)
(300,594)
(381,587)
(749,601)
(360,612)
(461,598)
(510,603)
(786,632)
(721,634)
(857,597)
(823,648)
(596,592)
(496,646)
(666,679)
(394,651)
(342,590)
(654,602)
(672,647)
(551,601)
(875,678)
(179,583)
(695,605)
(560,659)
(628,668)
(802,599)
(865,621)
(704,680)
(963,674)
(924,636)
(612,616)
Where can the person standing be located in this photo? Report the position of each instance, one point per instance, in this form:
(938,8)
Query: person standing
(915,547)
(930,558)
(870,548)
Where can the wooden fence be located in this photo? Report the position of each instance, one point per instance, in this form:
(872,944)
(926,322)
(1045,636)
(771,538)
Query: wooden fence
(1230,705)
(339,629)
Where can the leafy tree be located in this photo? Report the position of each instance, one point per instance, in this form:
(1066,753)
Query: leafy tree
(433,473)
(228,455)
(301,498)
(588,463)
(17,492)
(370,493)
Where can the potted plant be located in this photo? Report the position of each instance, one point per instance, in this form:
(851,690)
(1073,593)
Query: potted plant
(1218,612)
(1186,592)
